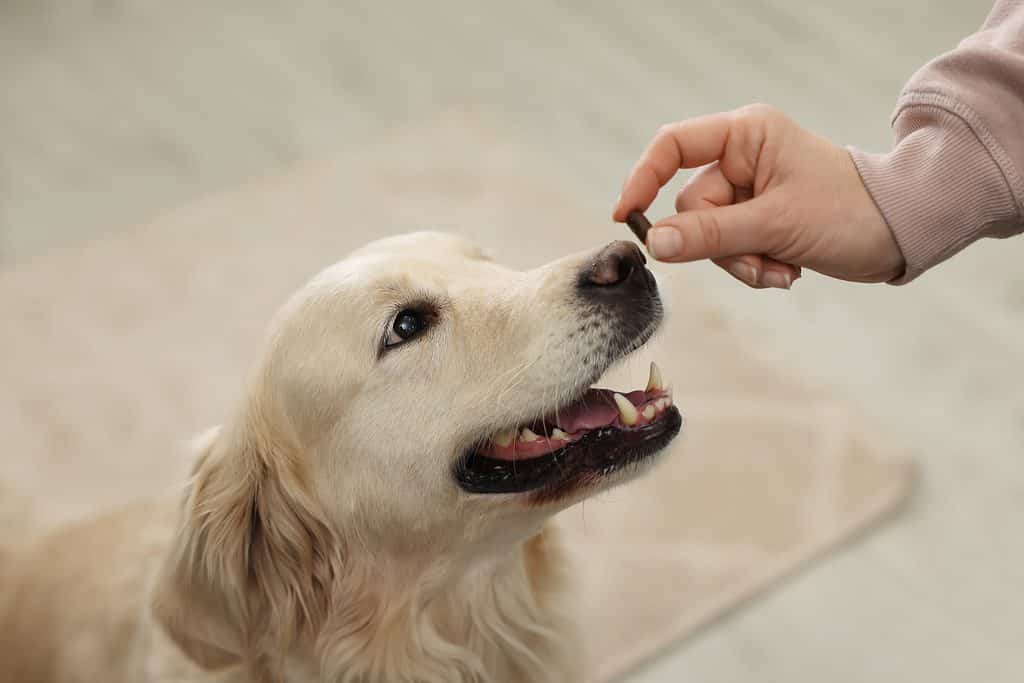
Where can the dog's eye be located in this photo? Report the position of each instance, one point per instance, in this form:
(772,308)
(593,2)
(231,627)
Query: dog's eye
(406,325)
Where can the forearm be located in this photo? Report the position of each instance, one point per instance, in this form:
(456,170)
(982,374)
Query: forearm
(956,174)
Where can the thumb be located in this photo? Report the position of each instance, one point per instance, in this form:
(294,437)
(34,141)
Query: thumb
(731,230)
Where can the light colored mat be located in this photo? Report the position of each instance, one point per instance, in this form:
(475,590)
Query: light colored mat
(116,351)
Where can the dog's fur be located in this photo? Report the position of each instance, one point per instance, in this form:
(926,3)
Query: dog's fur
(321,537)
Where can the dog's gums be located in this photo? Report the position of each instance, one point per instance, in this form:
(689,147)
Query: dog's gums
(597,408)
(598,434)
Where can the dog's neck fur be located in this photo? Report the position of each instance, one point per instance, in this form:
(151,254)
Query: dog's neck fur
(242,586)
(498,620)
(503,621)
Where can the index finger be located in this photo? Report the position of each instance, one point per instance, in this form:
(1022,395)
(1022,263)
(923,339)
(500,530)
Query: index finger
(685,144)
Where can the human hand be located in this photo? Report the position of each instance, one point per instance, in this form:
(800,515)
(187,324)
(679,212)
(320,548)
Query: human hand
(772,197)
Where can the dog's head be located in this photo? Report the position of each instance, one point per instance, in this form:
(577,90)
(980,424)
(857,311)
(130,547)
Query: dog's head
(418,398)
(425,382)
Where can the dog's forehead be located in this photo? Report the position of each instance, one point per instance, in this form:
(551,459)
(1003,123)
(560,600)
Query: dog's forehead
(391,270)
(425,260)
(429,274)
(427,244)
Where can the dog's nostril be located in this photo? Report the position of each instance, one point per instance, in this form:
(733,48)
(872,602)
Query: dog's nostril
(615,263)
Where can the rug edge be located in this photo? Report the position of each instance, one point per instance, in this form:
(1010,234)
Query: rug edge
(884,507)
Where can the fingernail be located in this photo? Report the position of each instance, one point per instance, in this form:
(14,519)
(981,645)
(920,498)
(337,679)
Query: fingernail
(745,272)
(664,242)
(777,280)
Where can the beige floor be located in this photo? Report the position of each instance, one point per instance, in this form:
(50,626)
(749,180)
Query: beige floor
(111,111)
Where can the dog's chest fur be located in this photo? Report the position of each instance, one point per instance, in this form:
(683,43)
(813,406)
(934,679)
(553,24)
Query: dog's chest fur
(510,624)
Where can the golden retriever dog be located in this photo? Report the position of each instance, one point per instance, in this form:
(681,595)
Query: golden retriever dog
(377,507)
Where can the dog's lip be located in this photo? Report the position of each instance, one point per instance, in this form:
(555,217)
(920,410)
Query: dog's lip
(617,429)
(593,409)
(598,454)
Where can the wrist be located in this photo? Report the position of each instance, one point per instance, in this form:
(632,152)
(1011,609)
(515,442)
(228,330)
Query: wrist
(939,189)
(883,259)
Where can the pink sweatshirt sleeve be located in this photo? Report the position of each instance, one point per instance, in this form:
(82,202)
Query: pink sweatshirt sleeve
(955,174)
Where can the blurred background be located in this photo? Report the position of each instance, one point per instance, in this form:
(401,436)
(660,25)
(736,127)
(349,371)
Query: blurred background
(115,111)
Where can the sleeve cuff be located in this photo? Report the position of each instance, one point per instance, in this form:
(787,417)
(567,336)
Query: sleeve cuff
(939,189)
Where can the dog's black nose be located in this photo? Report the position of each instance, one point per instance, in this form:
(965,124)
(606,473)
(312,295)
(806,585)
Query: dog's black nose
(616,264)
(616,286)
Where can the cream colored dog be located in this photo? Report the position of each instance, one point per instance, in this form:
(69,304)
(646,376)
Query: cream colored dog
(375,509)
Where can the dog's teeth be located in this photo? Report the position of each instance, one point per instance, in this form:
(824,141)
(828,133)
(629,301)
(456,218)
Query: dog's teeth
(627,411)
(655,382)
(527,436)
(649,412)
(505,438)
(557,433)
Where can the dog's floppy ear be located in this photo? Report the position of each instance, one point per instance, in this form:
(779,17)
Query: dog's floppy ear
(252,562)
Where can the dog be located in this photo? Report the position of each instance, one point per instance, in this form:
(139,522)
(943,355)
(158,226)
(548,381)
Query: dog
(378,506)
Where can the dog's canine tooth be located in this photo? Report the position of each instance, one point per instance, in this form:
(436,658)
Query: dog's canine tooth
(527,436)
(649,412)
(655,382)
(557,433)
(627,411)
(505,438)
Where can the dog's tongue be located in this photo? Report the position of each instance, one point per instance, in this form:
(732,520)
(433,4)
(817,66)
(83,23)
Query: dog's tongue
(596,409)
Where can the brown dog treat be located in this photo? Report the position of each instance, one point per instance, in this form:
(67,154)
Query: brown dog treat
(639,224)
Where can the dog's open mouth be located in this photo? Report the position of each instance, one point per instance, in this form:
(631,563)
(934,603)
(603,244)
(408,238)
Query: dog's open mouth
(599,433)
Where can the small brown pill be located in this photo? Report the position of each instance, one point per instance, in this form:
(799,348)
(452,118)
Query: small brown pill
(639,224)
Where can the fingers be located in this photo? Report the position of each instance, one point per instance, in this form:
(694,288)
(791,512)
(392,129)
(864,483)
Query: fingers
(706,189)
(686,144)
(709,188)
(760,272)
(718,215)
(747,269)
(713,233)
